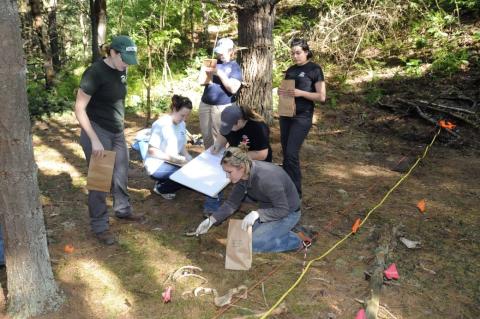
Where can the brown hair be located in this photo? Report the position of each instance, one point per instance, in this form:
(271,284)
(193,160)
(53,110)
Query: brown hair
(249,114)
(179,102)
(237,157)
(104,50)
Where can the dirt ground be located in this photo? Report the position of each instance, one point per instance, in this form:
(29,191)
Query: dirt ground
(348,164)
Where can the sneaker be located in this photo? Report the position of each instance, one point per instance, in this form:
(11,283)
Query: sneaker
(207,213)
(134,218)
(106,238)
(167,196)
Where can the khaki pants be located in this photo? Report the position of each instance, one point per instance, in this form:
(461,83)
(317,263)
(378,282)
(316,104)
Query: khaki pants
(209,116)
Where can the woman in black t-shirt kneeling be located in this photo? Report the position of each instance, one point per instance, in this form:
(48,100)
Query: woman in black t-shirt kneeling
(309,88)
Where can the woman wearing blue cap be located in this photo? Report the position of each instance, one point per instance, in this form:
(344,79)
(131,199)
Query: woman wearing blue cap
(100,110)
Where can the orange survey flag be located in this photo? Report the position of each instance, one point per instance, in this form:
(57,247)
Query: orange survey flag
(356,225)
(68,248)
(421,205)
(446,124)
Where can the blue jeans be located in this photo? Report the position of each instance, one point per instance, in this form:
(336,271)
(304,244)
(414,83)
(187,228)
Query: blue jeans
(165,184)
(276,236)
(212,204)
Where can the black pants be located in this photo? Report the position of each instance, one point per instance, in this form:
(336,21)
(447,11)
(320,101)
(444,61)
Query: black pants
(293,131)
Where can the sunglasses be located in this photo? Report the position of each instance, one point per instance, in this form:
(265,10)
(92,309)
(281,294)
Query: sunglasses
(228,154)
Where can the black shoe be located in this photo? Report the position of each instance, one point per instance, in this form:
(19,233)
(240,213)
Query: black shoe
(106,238)
(133,218)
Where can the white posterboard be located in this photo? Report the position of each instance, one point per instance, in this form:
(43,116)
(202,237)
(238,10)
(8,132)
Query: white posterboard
(203,174)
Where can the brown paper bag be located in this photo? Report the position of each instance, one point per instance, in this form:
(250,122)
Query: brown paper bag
(100,172)
(239,246)
(286,104)
(209,63)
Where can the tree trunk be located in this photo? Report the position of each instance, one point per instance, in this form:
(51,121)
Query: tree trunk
(31,286)
(255,25)
(36,7)
(84,31)
(98,18)
(149,79)
(53,35)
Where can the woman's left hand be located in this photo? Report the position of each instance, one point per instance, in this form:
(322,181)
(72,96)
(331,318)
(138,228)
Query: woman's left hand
(250,219)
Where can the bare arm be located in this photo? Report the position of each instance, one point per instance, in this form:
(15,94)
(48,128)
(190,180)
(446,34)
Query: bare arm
(220,143)
(232,85)
(82,117)
(258,155)
(319,95)
(158,153)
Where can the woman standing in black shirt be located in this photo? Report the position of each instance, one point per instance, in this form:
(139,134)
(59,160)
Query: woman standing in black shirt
(309,88)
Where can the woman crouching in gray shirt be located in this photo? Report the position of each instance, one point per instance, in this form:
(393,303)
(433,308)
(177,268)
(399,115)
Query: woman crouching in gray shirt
(268,185)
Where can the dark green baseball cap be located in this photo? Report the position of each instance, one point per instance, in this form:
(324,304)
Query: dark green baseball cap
(126,47)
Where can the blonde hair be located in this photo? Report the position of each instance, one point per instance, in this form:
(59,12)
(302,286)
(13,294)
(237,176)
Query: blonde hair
(237,157)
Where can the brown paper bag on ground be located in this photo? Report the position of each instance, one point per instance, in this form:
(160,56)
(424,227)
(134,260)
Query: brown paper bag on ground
(239,246)
(100,172)
(209,63)
(286,104)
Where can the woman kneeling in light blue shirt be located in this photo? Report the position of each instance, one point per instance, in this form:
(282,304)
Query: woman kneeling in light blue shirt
(166,147)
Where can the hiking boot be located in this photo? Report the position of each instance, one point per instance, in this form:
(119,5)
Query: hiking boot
(106,238)
(134,218)
(167,196)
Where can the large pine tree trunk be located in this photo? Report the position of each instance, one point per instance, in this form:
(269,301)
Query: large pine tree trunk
(255,24)
(31,286)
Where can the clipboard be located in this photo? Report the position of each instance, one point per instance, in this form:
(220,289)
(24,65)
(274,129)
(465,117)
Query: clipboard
(286,104)
(204,174)
(100,172)
(209,63)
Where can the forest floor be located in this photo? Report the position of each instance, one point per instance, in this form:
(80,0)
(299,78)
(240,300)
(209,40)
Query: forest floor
(347,162)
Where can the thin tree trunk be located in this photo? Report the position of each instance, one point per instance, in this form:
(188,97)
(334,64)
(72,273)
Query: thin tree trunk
(31,286)
(98,18)
(192,27)
(36,7)
(84,31)
(149,79)
(255,25)
(206,18)
(53,35)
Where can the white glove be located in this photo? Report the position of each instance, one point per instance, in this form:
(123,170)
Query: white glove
(250,219)
(205,226)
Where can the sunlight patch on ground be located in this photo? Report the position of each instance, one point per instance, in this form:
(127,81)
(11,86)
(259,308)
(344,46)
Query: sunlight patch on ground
(154,255)
(51,162)
(349,172)
(103,290)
